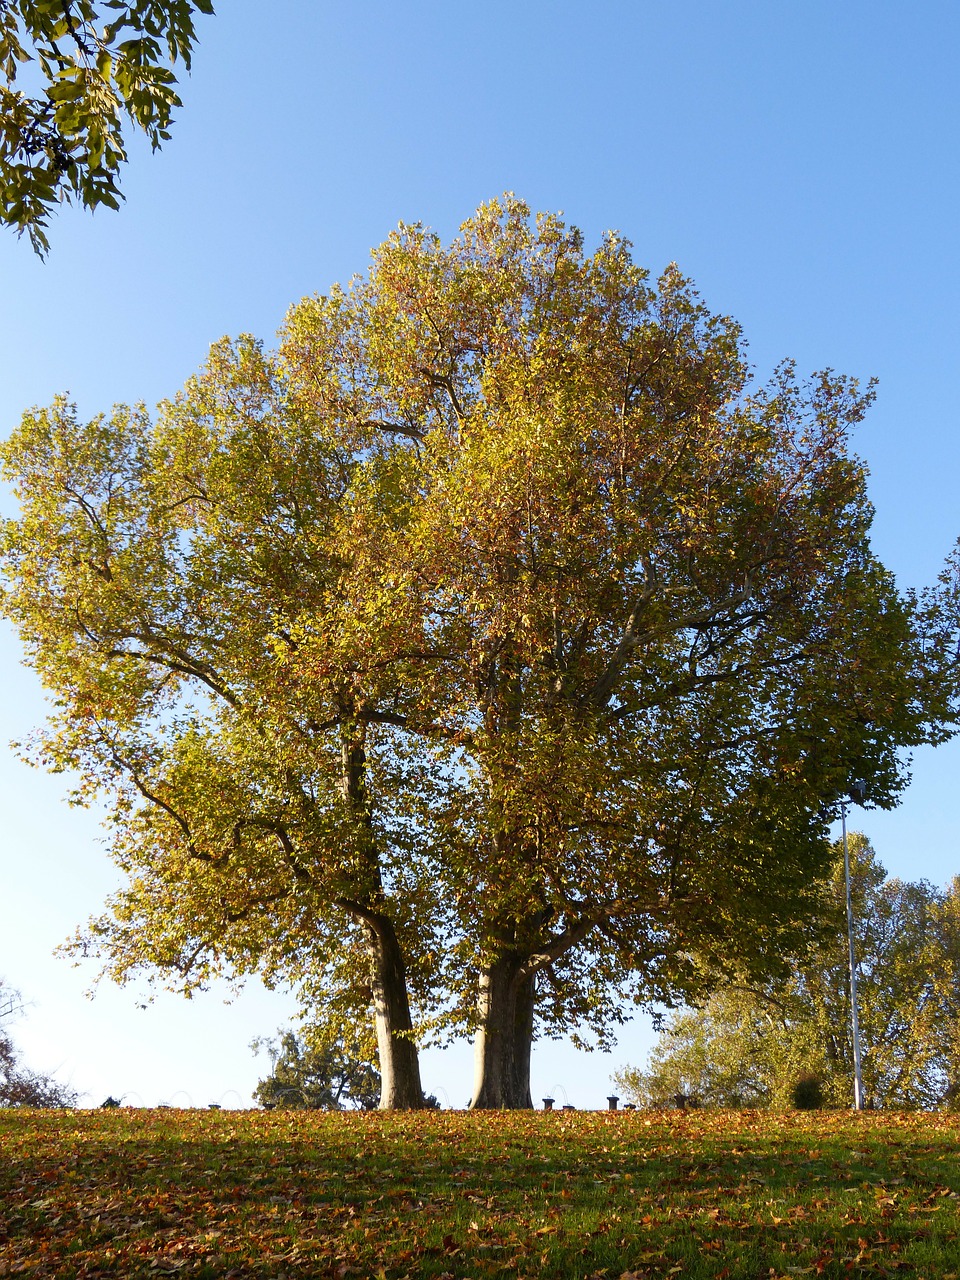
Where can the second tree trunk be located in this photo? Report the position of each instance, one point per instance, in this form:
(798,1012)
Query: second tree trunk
(504,1039)
(400,1087)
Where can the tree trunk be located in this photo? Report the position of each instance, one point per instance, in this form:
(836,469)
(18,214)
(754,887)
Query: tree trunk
(504,1037)
(400,1088)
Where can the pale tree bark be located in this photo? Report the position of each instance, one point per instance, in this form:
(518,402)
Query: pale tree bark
(504,1041)
(506,1005)
(400,1088)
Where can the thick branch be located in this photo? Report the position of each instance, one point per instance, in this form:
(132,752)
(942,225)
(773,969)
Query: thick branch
(462,736)
(563,942)
(392,428)
(602,690)
(177,817)
(182,664)
(365,914)
(301,875)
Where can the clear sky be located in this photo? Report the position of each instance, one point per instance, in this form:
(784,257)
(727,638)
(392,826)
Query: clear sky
(800,162)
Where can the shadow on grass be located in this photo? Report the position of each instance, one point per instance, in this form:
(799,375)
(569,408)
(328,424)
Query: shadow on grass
(720,1195)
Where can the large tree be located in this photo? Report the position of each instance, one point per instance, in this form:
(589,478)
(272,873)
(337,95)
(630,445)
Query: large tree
(649,623)
(748,1045)
(91,66)
(496,617)
(159,571)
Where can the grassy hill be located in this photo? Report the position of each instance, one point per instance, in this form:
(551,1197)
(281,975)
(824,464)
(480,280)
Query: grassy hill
(456,1195)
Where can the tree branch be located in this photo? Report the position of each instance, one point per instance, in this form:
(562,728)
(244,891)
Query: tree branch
(563,942)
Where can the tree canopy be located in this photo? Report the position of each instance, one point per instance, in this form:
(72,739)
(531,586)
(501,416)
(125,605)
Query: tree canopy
(748,1045)
(88,66)
(491,653)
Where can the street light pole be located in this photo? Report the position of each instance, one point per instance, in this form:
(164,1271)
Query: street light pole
(857,791)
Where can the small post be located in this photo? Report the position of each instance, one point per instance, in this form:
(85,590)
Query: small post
(548,1104)
(613,1101)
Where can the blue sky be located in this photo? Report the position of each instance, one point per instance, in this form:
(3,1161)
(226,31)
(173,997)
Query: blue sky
(799,162)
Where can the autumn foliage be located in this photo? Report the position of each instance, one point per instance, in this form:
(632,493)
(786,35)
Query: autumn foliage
(750,1045)
(489,656)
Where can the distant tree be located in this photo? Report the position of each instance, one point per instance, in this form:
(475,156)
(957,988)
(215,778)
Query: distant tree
(751,1045)
(320,1077)
(97,62)
(689,1060)
(20,1087)
(10,1003)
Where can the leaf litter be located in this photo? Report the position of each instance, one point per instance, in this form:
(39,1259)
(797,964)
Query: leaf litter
(461,1196)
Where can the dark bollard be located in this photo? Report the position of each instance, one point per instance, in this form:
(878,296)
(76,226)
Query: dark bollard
(548,1104)
(613,1101)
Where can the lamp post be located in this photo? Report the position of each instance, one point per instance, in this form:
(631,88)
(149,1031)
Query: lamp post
(858,791)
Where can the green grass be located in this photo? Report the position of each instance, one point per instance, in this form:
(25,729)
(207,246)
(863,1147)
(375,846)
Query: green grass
(720,1195)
